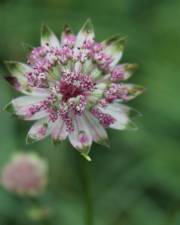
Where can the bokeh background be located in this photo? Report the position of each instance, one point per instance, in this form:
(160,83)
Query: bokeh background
(137,180)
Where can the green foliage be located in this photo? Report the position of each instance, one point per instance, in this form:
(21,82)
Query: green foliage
(137,180)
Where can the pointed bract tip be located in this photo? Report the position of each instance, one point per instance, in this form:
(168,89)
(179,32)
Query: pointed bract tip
(86,156)
(85,152)
(140,88)
(43,27)
(45,30)
(67,29)
(89,20)
(88,26)
(131,67)
(9,108)
(117,38)
(121,42)
(131,126)
(27,47)
(9,64)
(29,140)
(48,37)
(56,142)
(136,88)
(112,39)
(134,113)
(104,142)
(12,65)
(13,81)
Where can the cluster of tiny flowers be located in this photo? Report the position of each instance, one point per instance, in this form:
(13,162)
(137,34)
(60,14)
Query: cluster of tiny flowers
(25,174)
(70,82)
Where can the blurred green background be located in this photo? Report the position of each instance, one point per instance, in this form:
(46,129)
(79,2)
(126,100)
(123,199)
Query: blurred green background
(137,180)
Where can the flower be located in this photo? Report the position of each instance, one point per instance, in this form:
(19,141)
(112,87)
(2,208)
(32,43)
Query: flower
(25,174)
(74,88)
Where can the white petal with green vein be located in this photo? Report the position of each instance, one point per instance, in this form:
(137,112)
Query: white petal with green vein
(19,71)
(121,114)
(114,47)
(21,105)
(39,130)
(80,138)
(59,131)
(48,37)
(85,33)
(98,133)
(133,90)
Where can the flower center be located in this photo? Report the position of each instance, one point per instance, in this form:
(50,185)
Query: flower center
(69,91)
(74,84)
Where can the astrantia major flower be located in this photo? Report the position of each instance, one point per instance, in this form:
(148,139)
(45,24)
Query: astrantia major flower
(74,88)
(25,174)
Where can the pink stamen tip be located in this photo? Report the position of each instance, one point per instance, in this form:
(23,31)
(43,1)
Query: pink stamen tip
(83,138)
(42,131)
(105,119)
(116,91)
(117,73)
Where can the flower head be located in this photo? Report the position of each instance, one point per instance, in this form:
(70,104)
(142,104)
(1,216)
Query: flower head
(74,88)
(25,174)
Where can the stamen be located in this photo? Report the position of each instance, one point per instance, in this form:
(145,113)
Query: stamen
(105,119)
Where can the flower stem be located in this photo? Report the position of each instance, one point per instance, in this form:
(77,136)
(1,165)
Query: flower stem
(86,179)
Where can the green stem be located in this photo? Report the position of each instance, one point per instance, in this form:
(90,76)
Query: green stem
(85,166)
